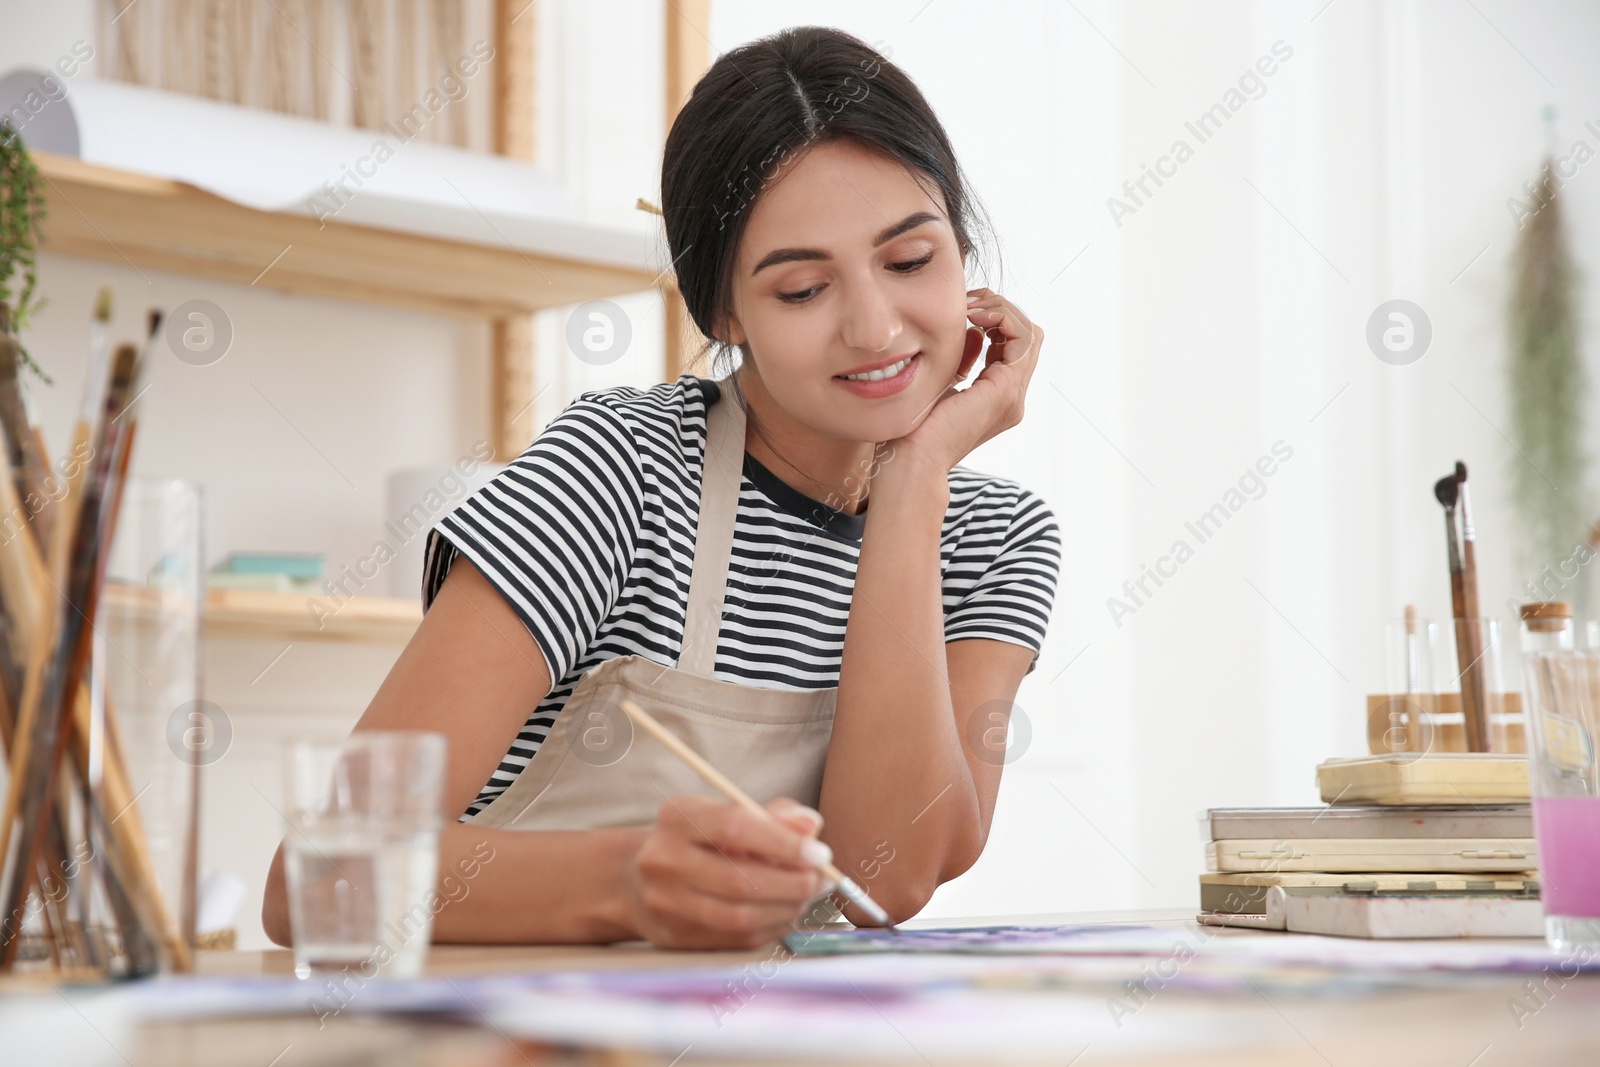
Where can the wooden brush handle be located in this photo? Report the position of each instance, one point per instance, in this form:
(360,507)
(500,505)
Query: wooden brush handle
(28,471)
(1469,653)
(126,827)
(22,576)
(1474,711)
(59,656)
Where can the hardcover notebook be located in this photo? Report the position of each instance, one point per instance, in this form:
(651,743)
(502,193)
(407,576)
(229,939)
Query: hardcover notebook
(1401,916)
(1246,894)
(1390,915)
(1341,855)
(1393,821)
(1443,778)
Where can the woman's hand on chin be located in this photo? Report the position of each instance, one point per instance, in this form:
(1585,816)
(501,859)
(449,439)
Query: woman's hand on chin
(962,419)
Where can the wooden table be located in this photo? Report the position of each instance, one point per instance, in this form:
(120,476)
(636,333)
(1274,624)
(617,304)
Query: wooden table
(1452,1028)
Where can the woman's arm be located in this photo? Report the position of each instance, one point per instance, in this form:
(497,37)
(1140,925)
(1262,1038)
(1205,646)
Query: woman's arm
(472,671)
(513,886)
(907,794)
(705,875)
(907,800)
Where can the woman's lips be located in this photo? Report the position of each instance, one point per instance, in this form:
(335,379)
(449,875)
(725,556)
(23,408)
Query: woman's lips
(884,386)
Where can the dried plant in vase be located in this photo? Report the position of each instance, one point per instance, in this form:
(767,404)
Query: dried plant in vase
(1548,388)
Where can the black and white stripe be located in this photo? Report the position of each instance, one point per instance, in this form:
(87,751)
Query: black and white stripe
(589,534)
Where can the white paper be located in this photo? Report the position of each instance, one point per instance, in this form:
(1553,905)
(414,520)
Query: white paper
(284,163)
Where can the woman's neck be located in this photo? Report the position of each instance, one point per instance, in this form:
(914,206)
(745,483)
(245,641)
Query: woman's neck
(827,469)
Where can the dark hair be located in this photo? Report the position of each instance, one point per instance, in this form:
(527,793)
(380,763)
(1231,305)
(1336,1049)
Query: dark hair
(759,106)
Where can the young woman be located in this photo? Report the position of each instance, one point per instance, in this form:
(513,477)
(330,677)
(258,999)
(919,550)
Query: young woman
(785,563)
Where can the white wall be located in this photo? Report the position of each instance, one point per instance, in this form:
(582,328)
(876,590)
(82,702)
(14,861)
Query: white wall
(1221,317)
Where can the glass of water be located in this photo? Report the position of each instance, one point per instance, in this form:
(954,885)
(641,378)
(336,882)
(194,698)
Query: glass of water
(362,852)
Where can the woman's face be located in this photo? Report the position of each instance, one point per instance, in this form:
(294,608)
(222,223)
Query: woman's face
(848,262)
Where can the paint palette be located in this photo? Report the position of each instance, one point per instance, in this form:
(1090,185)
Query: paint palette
(1088,939)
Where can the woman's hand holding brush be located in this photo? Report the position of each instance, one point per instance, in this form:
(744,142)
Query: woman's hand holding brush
(710,875)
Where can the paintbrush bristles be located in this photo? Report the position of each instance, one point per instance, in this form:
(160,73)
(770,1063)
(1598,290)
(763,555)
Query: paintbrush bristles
(124,362)
(1468,532)
(102,305)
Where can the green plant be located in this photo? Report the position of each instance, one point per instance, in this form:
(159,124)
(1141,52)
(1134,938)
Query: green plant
(21,210)
(1548,385)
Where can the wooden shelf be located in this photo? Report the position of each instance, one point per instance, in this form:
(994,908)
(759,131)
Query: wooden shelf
(250,614)
(258,615)
(156,223)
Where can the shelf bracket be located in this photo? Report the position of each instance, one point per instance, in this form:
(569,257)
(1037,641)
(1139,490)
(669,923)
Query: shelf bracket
(511,386)
(688,53)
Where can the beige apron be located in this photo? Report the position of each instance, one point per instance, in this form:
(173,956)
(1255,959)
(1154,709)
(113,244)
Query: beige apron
(593,770)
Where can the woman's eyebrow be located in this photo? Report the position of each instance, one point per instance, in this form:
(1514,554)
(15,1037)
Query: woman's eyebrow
(792,255)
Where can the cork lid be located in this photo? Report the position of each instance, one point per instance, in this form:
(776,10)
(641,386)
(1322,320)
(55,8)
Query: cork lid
(1543,616)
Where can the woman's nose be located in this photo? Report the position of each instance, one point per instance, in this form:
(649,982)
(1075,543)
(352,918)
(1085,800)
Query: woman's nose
(870,322)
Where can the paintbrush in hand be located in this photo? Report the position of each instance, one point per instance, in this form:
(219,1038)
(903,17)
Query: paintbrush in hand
(722,784)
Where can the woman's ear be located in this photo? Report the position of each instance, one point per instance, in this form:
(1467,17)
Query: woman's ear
(729,331)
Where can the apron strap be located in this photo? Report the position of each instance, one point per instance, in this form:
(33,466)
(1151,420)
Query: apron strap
(713,543)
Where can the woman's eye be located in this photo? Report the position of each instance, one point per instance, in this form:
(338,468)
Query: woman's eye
(800,297)
(904,267)
(910,265)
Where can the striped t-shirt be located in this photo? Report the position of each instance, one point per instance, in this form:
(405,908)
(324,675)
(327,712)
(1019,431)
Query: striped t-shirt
(590,536)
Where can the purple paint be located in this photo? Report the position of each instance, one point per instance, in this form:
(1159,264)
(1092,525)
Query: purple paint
(1568,829)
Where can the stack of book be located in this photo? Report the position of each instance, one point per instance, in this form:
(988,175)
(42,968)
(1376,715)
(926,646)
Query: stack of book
(1383,865)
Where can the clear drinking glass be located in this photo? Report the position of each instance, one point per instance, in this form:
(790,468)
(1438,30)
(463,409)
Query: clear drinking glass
(1410,696)
(1481,639)
(1561,695)
(362,851)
